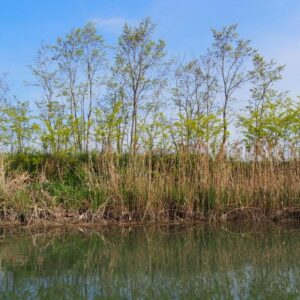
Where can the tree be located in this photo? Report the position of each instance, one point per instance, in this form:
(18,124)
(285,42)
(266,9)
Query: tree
(115,98)
(80,57)
(93,59)
(107,129)
(257,126)
(3,90)
(18,125)
(55,135)
(187,96)
(138,60)
(231,54)
(154,131)
(293,124)
(194,96)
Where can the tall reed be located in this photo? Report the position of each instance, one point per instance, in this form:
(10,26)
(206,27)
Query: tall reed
(168,187)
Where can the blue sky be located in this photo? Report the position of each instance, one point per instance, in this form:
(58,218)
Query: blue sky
(272,25)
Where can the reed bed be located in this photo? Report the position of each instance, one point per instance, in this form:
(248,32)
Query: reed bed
(101,188)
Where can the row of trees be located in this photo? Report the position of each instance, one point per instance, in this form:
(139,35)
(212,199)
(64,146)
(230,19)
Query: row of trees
(140,100)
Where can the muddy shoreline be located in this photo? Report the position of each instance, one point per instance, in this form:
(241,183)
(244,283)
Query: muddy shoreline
(61,217)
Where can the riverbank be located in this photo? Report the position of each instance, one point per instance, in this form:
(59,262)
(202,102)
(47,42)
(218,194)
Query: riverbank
(59,217)
(107,188)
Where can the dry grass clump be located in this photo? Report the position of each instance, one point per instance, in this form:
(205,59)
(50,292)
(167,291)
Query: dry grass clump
(160,188)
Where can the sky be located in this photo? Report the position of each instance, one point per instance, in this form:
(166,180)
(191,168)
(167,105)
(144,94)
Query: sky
(273,26)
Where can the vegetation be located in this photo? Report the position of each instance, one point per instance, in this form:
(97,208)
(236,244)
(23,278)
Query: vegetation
(142,137)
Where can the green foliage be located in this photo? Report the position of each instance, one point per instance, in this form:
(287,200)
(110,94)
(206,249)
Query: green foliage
(200,129)
(68,73)
(17,127)
(272,118)
(87,105)
(107,130)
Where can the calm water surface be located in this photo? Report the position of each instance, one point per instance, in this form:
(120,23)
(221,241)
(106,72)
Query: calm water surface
(167,262)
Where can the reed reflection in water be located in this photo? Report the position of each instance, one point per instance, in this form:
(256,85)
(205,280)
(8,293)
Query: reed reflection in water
(165,262)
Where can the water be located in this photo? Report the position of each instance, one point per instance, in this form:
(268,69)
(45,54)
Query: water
(166,262)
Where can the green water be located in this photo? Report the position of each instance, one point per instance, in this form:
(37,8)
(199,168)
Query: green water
(166,262)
